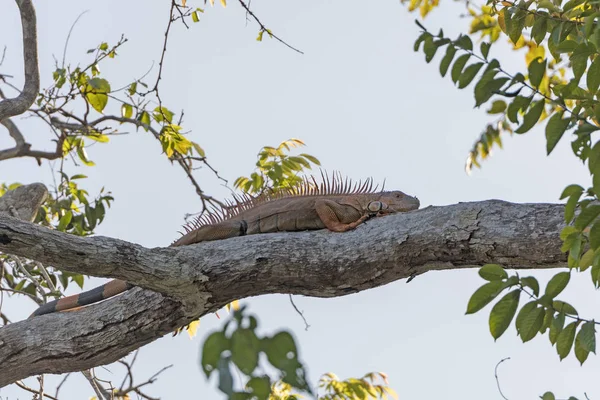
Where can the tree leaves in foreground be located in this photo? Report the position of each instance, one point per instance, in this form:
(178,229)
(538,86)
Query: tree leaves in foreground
(238,346)
(557,86)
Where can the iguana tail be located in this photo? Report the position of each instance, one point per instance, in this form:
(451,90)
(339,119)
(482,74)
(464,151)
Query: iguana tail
(109,289)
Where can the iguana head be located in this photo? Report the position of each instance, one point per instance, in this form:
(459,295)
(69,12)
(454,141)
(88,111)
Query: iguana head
(393,202)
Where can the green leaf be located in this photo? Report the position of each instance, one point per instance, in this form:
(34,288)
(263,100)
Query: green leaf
(557,284)
(548,396)
(96,92)
(199,149)
(565,339)
(586,260)
(458,66)
(537,69)
(245,347)
(214,345)
(564,307)
(570,207)
(429,48)
(593,75)
(587,336)
(518,104)
(280,350)
(64,221)
(132,88)
(447,60)
(195,16)
(310,158)
(498,107)
(586,216)
(98,138)
(144,118)
(594,235)
(554,130)
(567,46)
(540,27)
(464,42)
(531,282)
(261,387)
(484,295)
(516,25)
(570,191)
(531,117)
(486,89)
(556,327)
(126,110)
(485,49)
(503,312)
(468,74)
(529,321)
(416,46)
(492,272)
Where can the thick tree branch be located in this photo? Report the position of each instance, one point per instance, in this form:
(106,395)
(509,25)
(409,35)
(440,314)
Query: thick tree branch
(201,278)
(31,88)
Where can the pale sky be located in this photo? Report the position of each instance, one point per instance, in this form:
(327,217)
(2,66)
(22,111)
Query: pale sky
(366,105)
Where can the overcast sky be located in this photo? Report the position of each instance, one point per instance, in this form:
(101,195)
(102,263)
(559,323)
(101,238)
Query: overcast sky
(366,105)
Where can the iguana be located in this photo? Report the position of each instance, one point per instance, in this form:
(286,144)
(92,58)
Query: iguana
(335,204)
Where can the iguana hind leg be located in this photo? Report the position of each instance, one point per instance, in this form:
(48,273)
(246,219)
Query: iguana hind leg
(335,216)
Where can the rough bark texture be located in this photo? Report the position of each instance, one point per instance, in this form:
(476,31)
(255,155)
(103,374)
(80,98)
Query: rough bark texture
(198,279)
(31,88)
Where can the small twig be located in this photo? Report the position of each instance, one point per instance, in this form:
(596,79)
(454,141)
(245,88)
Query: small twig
(40,379)
(46,276)
(98,389)
(264,28)
(30,390)
(497,379)
(21,267)
(136,388)
(306,325)
(69,37)
(3,56)
(61,383)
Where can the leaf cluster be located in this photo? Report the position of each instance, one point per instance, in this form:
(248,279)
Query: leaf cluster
(540,315)
(238,345)
(276,169)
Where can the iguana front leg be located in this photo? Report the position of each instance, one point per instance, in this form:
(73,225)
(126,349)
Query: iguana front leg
(333,215)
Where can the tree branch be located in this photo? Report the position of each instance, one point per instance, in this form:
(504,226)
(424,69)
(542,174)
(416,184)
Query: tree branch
(203,277)
(31,88)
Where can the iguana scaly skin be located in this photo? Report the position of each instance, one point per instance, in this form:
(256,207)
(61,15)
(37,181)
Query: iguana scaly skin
(335,204)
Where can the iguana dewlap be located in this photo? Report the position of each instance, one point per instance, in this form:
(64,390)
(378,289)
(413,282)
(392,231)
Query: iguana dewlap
(335,204)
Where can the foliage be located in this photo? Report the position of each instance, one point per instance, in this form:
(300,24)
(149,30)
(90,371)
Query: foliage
(275,169)
(239,346)
(559,85)
(67,209)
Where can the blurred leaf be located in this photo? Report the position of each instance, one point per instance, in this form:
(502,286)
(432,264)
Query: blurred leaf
(531,117)
(554,130)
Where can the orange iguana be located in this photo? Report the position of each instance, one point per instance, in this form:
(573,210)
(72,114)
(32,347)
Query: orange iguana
(335,204)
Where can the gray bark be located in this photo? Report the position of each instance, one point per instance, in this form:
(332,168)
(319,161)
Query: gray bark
(31,87)
(187,282)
